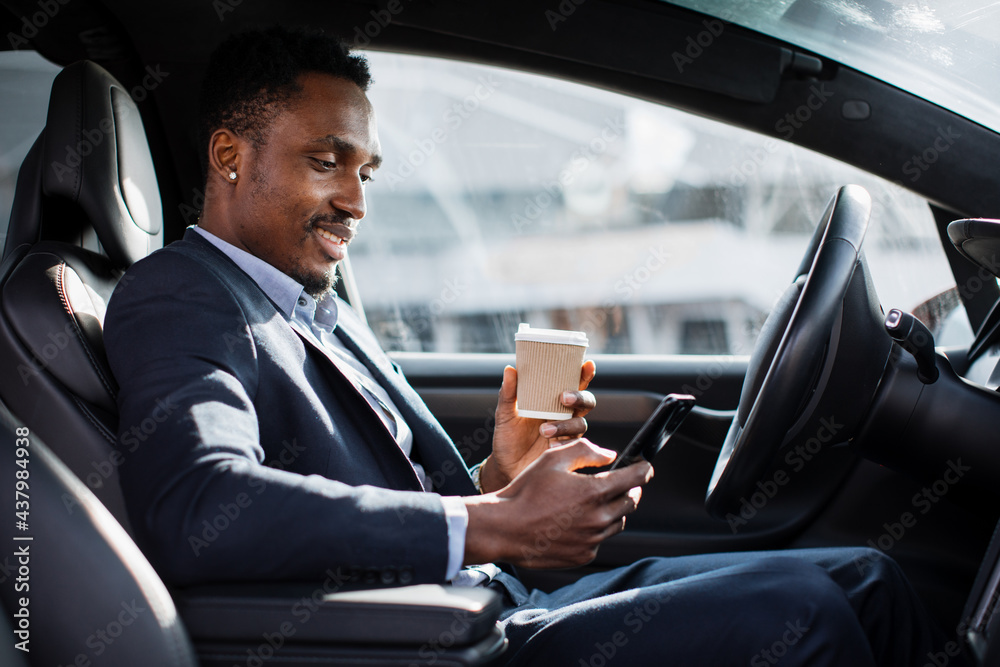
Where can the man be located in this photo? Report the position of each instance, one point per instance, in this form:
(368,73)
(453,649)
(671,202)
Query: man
(277,410)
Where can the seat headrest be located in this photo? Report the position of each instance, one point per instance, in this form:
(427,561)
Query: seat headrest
(95,153)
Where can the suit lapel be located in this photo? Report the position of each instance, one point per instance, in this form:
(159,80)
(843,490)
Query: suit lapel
(391,445)
(441,460)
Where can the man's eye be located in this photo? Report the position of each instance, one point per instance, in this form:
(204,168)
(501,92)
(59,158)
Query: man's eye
(367,178)
(325,164)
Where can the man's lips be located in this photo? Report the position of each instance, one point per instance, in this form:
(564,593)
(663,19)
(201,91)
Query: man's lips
(334,238)
(334,231)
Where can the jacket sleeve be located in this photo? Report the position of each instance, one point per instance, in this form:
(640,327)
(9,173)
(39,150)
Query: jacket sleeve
(203,506)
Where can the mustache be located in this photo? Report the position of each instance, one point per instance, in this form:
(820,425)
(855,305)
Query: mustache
(331,219)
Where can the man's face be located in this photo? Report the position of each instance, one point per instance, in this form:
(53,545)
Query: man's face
(305,192)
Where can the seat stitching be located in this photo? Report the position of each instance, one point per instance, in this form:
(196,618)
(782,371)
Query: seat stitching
(61,286)
(95,422)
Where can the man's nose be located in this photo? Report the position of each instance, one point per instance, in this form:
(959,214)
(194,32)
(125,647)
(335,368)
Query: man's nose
(350,198)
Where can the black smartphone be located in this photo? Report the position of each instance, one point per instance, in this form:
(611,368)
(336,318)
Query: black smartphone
(655,433)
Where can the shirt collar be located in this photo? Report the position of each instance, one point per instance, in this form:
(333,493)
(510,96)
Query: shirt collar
(281,288)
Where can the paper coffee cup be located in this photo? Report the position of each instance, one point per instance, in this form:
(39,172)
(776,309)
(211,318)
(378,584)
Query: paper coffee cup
(548,363)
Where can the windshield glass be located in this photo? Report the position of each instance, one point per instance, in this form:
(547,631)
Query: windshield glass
(947,52)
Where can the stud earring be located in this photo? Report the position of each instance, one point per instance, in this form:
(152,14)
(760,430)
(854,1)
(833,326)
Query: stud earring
(232,175)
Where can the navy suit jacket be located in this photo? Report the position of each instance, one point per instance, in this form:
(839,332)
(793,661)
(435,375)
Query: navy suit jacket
(247,454)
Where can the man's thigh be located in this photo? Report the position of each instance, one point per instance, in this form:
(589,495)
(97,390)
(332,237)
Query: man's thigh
(716,609)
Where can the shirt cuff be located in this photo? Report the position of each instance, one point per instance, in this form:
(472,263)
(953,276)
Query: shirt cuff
(457,517)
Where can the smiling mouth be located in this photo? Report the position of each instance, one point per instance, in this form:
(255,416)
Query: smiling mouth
(331,237)
(334,241)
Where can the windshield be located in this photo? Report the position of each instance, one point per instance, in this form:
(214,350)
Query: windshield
(947,52)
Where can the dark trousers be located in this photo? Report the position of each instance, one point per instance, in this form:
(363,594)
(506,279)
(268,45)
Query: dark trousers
(843,606)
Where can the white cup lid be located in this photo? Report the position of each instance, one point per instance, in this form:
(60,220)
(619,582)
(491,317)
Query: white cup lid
(560,336)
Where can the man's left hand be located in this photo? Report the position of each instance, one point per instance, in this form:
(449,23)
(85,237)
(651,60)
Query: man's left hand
(517,441)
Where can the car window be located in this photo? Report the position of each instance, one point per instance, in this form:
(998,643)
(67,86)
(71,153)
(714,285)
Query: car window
(25,82)
(508,197)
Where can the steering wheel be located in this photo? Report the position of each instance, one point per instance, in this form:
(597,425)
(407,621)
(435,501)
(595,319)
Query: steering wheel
(792,358)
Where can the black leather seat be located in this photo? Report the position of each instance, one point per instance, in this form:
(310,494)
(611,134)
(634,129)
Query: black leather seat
(89,590)
(87,206)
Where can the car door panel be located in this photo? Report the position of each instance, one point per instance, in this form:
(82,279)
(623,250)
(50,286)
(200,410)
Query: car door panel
(671,520)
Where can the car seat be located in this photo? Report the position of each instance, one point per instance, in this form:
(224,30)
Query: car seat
(86,206)
(91,597)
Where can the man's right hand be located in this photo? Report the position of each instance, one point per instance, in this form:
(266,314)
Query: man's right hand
(550,516)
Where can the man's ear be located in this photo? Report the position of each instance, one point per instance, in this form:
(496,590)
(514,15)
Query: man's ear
(225,155)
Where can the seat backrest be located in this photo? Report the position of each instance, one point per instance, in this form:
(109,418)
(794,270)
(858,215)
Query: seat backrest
(76,589)
(85,207)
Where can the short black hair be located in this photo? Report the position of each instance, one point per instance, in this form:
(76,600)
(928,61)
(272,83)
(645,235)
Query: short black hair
(251,75)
